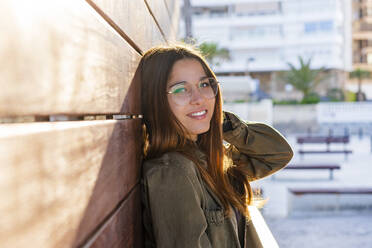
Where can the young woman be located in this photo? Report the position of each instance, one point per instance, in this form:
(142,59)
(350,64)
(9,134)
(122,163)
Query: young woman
(196,189)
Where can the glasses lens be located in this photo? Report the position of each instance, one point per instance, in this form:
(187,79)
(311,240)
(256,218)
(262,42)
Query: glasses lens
(208,87)
(180,93)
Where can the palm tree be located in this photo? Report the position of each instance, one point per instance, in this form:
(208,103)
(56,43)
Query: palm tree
(360,74)
(212,51)
(303,79)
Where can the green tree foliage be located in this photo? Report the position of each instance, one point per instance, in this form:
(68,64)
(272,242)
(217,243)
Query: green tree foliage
(350,96)
(212,52)
(304,79)
(360,74)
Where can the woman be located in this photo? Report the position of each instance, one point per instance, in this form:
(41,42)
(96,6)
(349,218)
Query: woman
(196,190)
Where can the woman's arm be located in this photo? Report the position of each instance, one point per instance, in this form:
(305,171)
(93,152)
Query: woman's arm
(258,149)
(175,208)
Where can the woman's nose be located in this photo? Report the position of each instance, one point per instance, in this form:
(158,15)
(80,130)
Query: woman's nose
(196,97)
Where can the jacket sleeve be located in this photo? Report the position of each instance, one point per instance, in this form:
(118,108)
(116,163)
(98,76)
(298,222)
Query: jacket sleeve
(174,200)
(258,149)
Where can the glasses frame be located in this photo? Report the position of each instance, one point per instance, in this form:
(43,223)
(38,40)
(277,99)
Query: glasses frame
(190,94)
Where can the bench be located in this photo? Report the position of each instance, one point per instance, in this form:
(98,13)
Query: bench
(324,140)
(353,190)
(329,199)
(329,167)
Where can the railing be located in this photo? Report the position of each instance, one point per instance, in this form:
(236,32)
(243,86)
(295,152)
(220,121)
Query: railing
(344,112)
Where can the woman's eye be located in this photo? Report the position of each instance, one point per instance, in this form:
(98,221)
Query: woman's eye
(204,84)
(179,90)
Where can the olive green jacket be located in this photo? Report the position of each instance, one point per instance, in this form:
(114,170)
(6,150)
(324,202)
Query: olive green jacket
(180,210)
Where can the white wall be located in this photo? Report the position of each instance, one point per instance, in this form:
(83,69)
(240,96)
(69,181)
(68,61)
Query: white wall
(344,112)
(257,112)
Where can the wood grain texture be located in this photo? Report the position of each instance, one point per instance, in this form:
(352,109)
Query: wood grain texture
(134,19)
(124,228)
(59,181)
(173,7)
(61,57)
(161,14)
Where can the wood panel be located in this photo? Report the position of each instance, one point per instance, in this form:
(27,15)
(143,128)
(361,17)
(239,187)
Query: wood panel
(173,7)
(61,57)
(124,228)
(59,181)
(134,19)
(160,12)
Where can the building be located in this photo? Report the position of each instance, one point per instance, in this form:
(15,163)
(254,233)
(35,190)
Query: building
(362,42)
(362,34)
(264,35)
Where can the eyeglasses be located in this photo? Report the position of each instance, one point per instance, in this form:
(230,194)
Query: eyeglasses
(181,92)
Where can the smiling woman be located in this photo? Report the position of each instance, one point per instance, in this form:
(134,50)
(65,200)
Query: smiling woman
(193,108)
(195,191)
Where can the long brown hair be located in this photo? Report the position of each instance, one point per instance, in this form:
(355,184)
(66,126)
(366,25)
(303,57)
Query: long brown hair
(155,68)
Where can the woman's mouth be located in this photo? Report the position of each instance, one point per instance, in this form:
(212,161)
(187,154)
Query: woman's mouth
(198,115)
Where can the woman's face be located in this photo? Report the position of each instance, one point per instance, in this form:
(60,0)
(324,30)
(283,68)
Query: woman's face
(196,113)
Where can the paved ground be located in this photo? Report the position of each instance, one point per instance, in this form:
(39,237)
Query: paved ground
(348,230)
(297,227)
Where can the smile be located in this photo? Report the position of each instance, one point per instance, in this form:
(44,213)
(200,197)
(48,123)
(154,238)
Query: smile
(198,115)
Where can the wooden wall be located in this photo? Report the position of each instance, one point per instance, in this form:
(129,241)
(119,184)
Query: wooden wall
(69,165)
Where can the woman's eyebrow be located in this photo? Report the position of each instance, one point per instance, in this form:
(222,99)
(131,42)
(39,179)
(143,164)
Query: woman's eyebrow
(173,84)
(183,82)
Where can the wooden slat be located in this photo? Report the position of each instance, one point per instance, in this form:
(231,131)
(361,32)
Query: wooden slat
(134,19)
(124,228)
(323,139)
(160,12)
(303,191)
(312,167)
(61,57)
(174,7)
(59,181)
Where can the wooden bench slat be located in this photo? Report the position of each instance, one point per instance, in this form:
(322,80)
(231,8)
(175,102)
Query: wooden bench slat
(302,191)
(61,57)
(329,167)
(124,228)
(319,151)
(159,10)
(323,139)
(59,181)
(317,164)
(143,31)
(307,167)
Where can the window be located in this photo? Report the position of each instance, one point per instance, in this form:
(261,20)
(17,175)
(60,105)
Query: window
(326,26)
(257,8)
(318,27)
(310,27)
(369,58)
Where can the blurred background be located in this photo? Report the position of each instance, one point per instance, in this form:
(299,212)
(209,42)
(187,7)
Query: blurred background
(305,68)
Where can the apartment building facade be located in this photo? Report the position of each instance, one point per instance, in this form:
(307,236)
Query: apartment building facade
(264,35)
(362,34)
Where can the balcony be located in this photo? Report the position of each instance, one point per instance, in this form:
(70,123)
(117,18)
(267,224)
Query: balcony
(363,66)
(362,26)
(367,35)
(280,41)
